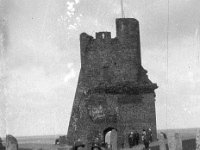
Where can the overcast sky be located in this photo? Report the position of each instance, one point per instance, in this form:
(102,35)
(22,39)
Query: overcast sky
(40,58)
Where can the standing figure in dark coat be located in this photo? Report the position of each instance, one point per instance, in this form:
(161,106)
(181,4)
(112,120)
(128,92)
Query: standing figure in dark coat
(95,146)
(145,139)
(150,135)
(78,144)
(137,138)
(131,140)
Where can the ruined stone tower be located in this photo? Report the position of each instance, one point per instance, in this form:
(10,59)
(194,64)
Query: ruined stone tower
(113,89)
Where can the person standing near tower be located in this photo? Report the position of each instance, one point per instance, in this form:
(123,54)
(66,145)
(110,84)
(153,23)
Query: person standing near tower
(96,147)
(137,138)
(145,139)
(131,140)
(78,145)
(150,135)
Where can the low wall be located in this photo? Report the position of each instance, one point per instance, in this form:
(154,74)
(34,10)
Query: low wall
(187,144)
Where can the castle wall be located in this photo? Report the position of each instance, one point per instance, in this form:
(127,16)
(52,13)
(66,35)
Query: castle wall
(113,89)
(139,115)
(112,60)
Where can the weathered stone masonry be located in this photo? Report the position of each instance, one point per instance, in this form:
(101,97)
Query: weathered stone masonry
(113,89)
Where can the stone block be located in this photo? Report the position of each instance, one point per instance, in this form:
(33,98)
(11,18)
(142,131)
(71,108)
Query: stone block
(161,141)
(175,141)
(11,143)
(198,140)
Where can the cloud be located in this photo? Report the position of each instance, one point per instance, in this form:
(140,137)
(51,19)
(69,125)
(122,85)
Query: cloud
(70,19)
(153,16)
(33,95)
(37,91)
(71,73)
(178,92)
(3,44)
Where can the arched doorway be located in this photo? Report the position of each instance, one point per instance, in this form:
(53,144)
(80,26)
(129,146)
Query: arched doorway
(110,137)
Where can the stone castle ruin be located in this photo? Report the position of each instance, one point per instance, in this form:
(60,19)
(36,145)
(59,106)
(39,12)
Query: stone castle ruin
(114,91)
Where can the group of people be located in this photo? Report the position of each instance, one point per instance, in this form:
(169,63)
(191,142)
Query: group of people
(134,138)
(146,138)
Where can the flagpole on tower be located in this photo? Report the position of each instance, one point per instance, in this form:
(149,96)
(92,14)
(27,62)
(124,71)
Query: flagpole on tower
(198,42)
(122,9)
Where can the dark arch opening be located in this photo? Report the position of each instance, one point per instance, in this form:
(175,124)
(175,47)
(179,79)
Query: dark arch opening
(108,129)
(107,136)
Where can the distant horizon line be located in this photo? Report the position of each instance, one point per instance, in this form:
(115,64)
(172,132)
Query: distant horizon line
(36,136)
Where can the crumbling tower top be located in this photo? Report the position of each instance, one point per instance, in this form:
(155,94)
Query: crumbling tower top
(127,28)
(113,61)
(127,31)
